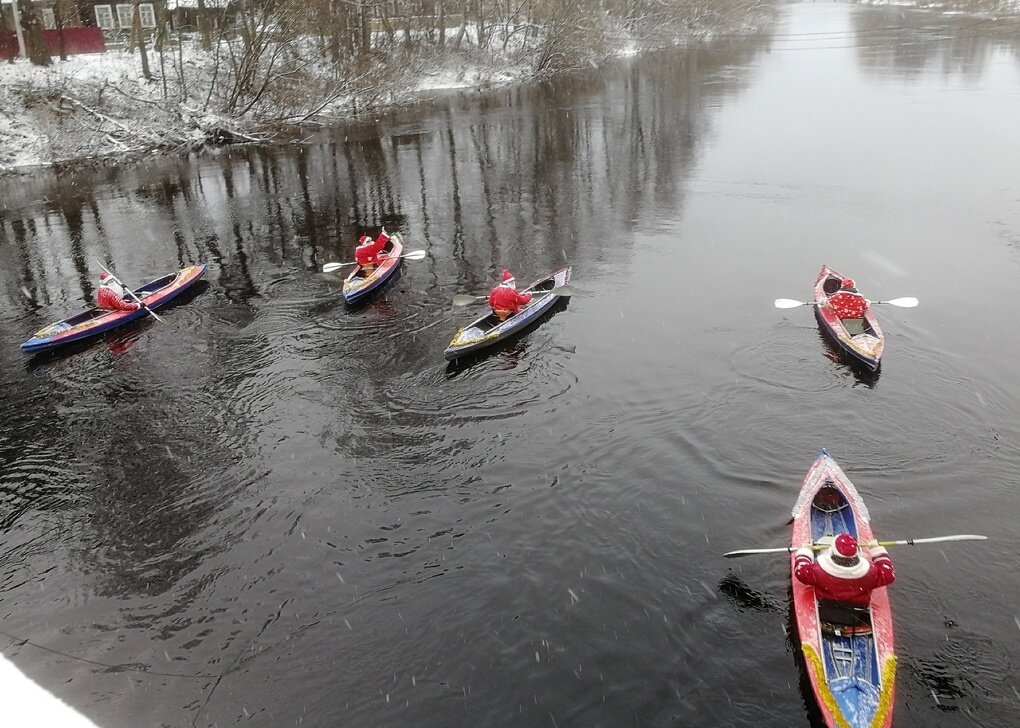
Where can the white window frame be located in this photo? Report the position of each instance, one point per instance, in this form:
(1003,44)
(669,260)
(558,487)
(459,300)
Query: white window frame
(122,15)
(49,18)
(148,15)
(104,17)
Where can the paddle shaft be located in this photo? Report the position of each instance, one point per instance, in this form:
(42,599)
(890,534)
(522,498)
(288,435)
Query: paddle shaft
(904,302)
(467,300)
(413,255)
(131,293)
(867,544)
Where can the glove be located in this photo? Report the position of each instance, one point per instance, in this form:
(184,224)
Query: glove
(878,551)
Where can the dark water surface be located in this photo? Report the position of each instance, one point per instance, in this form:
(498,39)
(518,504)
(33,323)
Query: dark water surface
(272,510)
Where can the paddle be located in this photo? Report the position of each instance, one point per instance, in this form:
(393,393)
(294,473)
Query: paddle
(869,544)
(132,294)
(466,299)
(331,267)
(905,302)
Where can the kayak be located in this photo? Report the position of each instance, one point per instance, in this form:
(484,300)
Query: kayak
(96,321)
(861,338)
(360,282)
(489,330)
(848,651)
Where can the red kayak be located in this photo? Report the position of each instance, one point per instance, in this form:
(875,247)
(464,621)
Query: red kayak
(848,651)
(861,338)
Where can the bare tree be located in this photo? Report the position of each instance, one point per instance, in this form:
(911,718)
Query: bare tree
(138,36)
(31,23)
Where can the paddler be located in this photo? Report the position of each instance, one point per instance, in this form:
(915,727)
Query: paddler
(841,574)
(369,254)
(113,296)
(847,303)
(504,299)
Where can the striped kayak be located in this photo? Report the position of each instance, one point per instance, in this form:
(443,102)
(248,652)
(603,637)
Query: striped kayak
(96,321)
(361,283)
(860,338)
(489,330)
(848,653)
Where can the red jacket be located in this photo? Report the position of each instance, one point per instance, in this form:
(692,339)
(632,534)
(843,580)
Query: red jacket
(849,305)
(109,297)
(505,298)
(368,254)
(853,591)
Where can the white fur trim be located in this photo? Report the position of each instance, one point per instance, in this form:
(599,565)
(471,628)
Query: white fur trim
(843,572)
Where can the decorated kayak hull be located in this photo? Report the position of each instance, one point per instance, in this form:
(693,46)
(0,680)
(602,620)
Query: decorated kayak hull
(96,321)
(361,283)
(489,330)
(861,338)
(849,654)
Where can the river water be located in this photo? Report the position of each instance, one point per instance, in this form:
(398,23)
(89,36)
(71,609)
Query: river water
(273,510)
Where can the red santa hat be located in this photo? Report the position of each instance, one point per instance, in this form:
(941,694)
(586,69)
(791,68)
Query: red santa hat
(364,240)
(843,560)
(849,283)
(508,279)
(103,276)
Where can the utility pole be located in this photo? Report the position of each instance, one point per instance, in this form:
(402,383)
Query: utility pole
(17,29)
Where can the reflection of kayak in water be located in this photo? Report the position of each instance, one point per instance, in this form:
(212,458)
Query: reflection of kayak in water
(490,329)
(97,320)
(25,703)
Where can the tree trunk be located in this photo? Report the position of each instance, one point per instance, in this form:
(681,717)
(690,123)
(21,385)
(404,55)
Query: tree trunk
(481,23)
(442,24)
(388,26)
(366,27)
(139,35)
(203,26)
(31,23)
(58,19)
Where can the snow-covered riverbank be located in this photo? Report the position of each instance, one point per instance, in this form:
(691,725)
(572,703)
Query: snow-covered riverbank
(97,106)
(92,108)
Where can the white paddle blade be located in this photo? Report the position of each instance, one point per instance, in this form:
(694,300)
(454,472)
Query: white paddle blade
(414,255)
(789,303)
(333,267)
(905,302)
(466,300)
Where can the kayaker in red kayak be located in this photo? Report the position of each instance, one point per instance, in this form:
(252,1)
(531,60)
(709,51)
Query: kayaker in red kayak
(368,254)
(847,302)
(504,299)
(841,574)
(112,296)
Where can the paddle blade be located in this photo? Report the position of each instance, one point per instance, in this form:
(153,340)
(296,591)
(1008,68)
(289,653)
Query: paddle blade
(565,291)
(414,255)
(789,303)
(466,300)
(905,302)
(332,267)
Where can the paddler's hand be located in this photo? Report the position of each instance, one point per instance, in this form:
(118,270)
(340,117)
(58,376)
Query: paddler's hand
(806,551)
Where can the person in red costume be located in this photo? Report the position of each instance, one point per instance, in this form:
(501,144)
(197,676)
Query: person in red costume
(504,299)
(847,302)
(112,296)
(369,254)
(841,574)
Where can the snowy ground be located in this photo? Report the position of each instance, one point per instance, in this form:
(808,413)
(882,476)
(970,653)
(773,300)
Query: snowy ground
(100,105)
